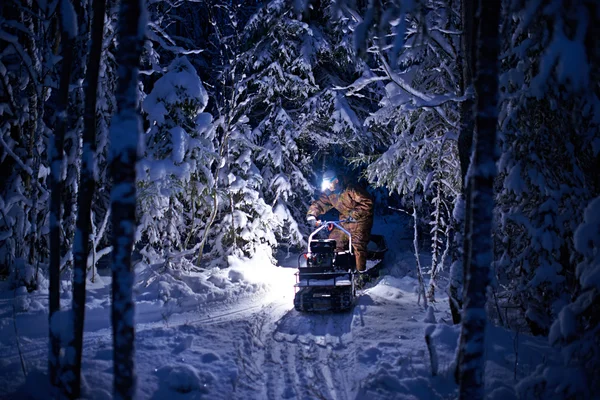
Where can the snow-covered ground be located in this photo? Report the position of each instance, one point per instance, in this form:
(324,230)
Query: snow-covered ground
(233,334)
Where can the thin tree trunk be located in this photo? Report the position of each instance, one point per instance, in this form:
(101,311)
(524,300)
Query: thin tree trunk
(124,134)
(56,156)
(222,149)
(87,187)
(32,129)
(435,265)
(417,257)
(211,220)
(483,171)
(467,63)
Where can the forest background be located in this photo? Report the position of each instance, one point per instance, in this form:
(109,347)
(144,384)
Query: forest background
(245,103)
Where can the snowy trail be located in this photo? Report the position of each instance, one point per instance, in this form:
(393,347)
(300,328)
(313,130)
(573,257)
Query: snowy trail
(259,347)
(289,355)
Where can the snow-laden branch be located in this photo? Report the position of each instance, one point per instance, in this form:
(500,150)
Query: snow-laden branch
(527,18)
(18,26)
(446,31)
(421,99)
(151,34)
(17,159)
(94,256)
(8,88)
(100,233)
(27,61)
(360,84)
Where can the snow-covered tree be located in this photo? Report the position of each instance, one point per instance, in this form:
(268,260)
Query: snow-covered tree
(305,112)
(549,141)
(280,62)
(175,174)
(577,328)
(240,220)
(41,82)
(246,221)
(177,179)
(277,112)
(418,118)
(27,72)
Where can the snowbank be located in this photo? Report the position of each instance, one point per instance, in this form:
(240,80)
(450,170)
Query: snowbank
(189,290)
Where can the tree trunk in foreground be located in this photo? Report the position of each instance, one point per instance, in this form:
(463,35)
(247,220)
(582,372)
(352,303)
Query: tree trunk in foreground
(466,63)
(87,186)
(124,134)
(56,160)
(472,343)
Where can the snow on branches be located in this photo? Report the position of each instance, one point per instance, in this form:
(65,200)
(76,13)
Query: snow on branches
(175,173)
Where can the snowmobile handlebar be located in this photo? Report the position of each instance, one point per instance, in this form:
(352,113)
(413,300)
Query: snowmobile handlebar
(349,219)
(341,221)
(327,224)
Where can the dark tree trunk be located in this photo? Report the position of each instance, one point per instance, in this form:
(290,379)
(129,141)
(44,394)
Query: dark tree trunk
(87,187)
(124,134)
(465,62)
(471,362)
(56,156)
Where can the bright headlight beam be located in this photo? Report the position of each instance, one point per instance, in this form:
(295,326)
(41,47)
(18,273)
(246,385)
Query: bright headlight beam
(325,185)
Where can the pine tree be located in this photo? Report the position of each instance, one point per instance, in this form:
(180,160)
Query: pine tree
(27,71)
(281,65)
(305,110)
(577,327)
(418,117)
(548,163)
(180,152)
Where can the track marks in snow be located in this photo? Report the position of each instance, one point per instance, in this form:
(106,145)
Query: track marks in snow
(329,356)
(276,352)
(309,357)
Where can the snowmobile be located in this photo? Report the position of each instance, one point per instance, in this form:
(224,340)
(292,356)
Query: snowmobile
(328,280)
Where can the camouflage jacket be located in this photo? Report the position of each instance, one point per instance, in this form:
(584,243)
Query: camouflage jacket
(353,201)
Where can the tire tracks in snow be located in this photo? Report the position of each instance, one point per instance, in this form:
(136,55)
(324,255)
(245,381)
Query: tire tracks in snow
(280,353)
(305,356)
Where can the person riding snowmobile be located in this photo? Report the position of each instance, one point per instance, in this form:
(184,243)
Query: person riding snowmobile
(352,201)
